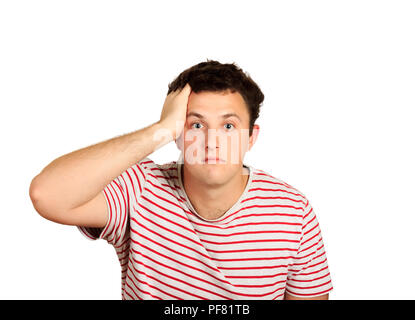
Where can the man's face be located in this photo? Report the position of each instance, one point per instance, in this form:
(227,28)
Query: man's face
(216,136)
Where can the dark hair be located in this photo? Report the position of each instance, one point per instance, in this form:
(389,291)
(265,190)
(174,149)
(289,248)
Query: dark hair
(218,77)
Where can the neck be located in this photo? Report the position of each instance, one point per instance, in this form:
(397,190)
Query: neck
(211,202)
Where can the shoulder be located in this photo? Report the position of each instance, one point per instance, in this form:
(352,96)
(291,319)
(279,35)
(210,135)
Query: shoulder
(166,170)
(263,181)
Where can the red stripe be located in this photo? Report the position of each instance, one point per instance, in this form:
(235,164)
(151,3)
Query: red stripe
(132,298)
(250,268)
(268,214)
(279,295)
(181,199)
(250,223)
(308,287)
(141,290)
(300,272)
(248,241)
(151,286)
(164,169)
(168,201)
(137,178)
(266,198)
(308,213)
(310,273)
(254,259)
(274,190)
(311,253)
(184,273)
(318,263)
(248,207)
(259,277)
(178,280)
(207,225)
(312,279)
(251,250)
(127,206)
(157,177)
(272,206)
(262,173)
(308,248)
(124,249)
(192,249)
(123,214)
(163,218)
(132,184)
(257,206)
(308,223)
(268,181)
(141,171)
(166,238)
(122,244)
(116,211)
(110,207)
(259,285)
(172,250)
(247,232)
(117,215)
(157,253)
(136,295)
(86,233)
(204,289)
(309,294)
(316,235)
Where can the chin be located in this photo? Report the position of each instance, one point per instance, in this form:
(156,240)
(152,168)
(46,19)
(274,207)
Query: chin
(214,175)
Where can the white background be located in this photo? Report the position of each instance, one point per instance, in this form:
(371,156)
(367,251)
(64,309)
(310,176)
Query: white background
(337,122)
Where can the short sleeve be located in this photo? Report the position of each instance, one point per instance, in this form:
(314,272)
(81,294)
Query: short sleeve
(308,275)
(120,194)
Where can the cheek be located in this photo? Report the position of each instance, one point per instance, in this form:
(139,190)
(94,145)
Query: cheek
(237,145)
(194,147)
(195,140)
(244,141)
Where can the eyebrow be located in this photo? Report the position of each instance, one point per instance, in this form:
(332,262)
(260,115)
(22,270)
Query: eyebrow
(224,116)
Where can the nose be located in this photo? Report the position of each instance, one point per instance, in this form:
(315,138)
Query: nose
(212,141)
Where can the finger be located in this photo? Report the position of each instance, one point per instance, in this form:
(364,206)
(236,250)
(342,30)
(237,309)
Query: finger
(187,89)
(174,93)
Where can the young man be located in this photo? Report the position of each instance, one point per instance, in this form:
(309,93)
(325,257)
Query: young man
(204,227)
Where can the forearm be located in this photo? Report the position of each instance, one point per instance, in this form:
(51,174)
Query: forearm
(73,179)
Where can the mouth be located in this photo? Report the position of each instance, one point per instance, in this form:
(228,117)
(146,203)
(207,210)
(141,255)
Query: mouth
(212,160)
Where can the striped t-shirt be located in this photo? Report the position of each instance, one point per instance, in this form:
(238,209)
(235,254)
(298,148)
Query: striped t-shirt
(267,243)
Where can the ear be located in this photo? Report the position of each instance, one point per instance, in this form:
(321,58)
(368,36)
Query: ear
(254,136)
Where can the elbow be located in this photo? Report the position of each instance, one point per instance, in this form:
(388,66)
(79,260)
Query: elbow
(41,204)
(34,190)
(45,204)
(35,195)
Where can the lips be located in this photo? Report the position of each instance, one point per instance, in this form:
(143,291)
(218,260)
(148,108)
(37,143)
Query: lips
(213,160)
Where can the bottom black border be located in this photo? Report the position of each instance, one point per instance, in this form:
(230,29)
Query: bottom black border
(212,309)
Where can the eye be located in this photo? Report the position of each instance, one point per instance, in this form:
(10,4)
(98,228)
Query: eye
(228,126)
(196,125)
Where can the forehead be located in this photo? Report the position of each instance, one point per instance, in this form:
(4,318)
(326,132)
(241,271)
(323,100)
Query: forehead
(214,104)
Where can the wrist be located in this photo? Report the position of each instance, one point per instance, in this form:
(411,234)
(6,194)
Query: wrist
(169,127)
(162,132)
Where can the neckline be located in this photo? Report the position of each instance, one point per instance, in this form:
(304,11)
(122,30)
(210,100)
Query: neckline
(232,209)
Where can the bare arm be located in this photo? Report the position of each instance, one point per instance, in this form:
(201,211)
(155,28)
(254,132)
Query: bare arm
(75,180)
